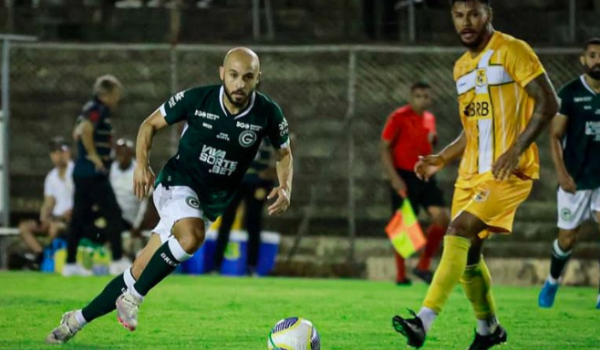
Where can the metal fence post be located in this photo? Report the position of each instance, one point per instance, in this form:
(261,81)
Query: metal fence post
(351,155)
(572,21)
(5,205)
(256,19)
(5,125)
(173,64)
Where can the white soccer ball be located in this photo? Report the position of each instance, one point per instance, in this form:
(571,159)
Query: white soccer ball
(294,333)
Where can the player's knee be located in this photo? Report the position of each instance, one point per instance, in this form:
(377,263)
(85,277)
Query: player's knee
(459,230)
(25,227)
(567,239)
(191,236)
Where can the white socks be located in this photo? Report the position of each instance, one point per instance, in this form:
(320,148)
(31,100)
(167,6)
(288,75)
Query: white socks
(427,316)
(128,278)
(135,293)
(487,327)
(80,319)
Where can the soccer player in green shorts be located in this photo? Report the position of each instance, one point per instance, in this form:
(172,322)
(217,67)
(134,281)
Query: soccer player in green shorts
(225,125)
(575,146)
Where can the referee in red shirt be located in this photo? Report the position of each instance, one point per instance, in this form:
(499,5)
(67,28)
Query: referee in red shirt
(409,133)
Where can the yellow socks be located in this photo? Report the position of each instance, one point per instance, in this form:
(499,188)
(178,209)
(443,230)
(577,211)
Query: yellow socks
(451,268)
(476,282)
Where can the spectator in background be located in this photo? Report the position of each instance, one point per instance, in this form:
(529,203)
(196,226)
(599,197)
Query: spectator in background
(408,134)
(121,179)
(254,189)
(55,213)
(93,133)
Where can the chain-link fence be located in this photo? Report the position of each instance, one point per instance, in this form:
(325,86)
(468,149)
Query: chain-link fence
(336,99)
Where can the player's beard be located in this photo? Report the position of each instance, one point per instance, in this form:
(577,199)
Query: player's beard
(233,101)
(593,72)
(474,44)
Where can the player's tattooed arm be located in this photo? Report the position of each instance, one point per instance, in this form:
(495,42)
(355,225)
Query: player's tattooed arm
(285,174)
(546,107)
(143,176)
(557,133)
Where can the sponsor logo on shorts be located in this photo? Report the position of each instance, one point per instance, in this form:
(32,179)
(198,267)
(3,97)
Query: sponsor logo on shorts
(566,214)
(248,138)
(482,196)
(192,202)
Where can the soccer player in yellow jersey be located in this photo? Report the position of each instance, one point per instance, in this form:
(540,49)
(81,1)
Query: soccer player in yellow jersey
(505,101)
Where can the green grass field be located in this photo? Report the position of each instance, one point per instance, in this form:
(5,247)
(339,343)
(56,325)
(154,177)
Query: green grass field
(224,313)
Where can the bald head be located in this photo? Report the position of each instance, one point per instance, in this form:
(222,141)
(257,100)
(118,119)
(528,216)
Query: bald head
(240,74)
(244,56)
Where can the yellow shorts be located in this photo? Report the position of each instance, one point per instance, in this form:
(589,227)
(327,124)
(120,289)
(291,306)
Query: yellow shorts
(494,202)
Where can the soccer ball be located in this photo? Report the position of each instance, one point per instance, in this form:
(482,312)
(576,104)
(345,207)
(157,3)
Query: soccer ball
(294,333)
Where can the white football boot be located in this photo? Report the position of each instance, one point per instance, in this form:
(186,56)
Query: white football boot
(69,326)
(127,310)
(75,270)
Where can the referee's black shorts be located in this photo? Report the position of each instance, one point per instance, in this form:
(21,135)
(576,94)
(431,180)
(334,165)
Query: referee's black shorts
(420,193)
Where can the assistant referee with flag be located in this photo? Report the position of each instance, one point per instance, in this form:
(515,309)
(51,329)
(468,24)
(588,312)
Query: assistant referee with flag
(409,133)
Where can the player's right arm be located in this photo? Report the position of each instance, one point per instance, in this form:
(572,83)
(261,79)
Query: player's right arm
(143,176)
(557,134)
(86,129)
(171,112)
(431,164)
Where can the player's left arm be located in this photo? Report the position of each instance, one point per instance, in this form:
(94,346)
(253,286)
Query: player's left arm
(546,107)
(285,174)
(523,65)
(279,135)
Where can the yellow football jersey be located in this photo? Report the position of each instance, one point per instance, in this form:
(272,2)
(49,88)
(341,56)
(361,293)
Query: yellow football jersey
(494,105)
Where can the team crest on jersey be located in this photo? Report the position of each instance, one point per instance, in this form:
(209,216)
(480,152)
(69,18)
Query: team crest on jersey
(192,202)
(481,77)
(482,196)
(248,138)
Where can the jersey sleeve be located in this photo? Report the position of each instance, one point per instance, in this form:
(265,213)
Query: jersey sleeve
(175,109)
(391,129)
(279,131)
(90,113)
(565,101)
(522,63)
(429,123)
(48,188)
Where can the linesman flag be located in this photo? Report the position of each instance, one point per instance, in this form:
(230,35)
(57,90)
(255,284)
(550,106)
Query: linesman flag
(405,232)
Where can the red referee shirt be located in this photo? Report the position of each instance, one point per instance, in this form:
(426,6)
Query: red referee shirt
(408,135)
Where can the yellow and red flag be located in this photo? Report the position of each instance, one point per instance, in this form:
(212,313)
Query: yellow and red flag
(405,232)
